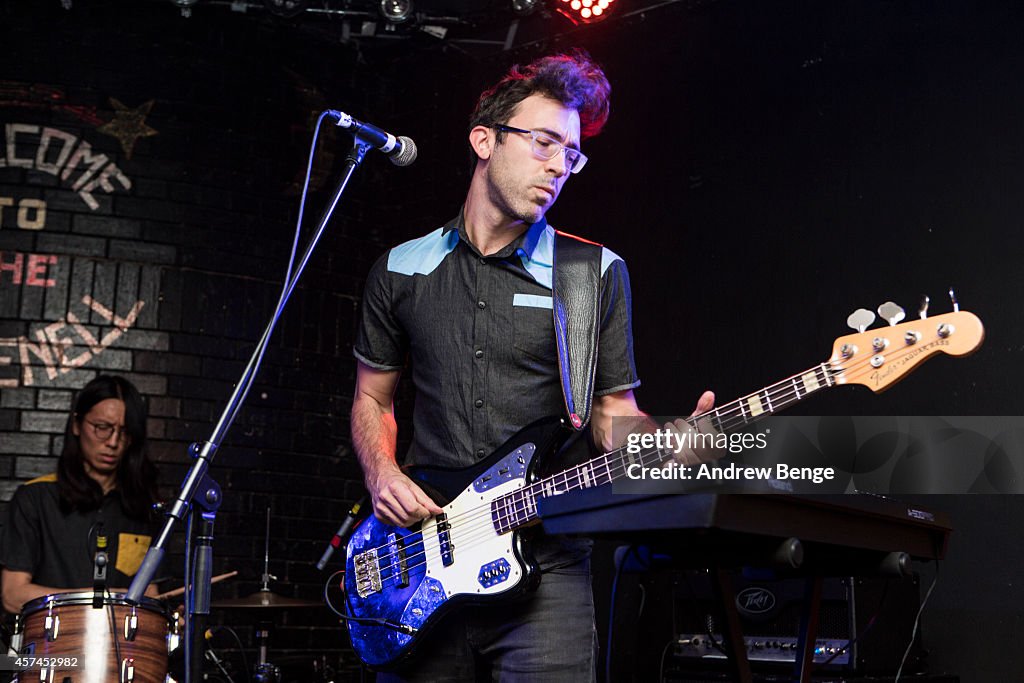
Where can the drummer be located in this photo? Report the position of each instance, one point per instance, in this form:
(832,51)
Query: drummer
(104,489)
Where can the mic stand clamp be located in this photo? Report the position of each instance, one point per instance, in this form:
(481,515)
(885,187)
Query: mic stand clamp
(99,570)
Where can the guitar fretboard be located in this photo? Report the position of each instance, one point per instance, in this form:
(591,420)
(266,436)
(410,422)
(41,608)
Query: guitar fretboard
(519,508)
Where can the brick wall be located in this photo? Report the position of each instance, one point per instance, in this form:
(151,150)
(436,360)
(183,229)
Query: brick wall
(148,192)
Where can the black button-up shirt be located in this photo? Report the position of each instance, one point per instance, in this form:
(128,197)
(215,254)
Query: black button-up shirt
(479,334)
(57,548)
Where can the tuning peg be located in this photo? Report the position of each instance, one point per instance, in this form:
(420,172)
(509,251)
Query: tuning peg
(860,319)
(892,312)
(956,304)
(922,310)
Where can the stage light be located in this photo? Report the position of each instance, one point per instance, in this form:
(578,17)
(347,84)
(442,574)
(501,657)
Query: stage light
(584,11)
(522,8)
(285,8)
(185,6)
(396,11)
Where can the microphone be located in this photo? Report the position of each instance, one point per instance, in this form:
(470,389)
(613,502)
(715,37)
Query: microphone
(341,533)
(401,150)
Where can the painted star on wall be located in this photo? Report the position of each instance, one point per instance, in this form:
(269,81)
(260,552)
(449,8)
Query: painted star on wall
(128,125)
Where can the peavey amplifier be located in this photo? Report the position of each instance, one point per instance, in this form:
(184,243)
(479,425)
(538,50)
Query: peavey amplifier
(876,614)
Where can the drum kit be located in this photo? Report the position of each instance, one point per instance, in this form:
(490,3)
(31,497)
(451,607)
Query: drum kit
(63,638)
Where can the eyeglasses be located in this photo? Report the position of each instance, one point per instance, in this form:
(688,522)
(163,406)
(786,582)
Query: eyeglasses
(104,430)
(546,147)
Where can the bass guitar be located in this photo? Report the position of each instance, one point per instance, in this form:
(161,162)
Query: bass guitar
(399,583)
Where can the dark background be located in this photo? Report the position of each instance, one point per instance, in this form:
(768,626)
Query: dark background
(767,169)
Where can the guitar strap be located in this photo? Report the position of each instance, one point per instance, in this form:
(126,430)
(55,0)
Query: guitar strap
(576,302)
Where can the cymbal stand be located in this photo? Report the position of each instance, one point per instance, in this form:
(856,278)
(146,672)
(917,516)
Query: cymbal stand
(265,672)
(267,576)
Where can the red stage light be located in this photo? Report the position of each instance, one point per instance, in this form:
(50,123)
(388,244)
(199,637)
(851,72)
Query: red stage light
(584,11)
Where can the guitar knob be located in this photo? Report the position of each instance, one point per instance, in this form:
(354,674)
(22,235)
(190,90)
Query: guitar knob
(892,312)
(860,319)
(911,338)
(944,330)
(847,350)
(879,343)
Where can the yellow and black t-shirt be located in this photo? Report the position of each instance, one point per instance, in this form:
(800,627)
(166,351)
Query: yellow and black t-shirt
(57,549)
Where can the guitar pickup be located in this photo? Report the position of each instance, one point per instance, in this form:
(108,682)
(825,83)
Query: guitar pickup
(494,573)
(444,540)
(398,555)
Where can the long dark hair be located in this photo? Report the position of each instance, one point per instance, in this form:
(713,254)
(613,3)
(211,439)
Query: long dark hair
(136,475)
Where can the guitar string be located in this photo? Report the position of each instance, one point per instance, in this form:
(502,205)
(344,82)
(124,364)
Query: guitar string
(729,418)
(784,390)
(486,521)
(572,479)
(518,506)
(522,500)
(476,513)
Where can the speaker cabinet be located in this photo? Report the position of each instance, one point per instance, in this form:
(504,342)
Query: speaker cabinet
(668,623)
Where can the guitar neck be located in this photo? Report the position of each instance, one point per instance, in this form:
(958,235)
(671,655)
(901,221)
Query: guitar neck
(519,508)
(769,400)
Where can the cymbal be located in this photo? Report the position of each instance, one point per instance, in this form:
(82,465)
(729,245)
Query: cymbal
(266,599)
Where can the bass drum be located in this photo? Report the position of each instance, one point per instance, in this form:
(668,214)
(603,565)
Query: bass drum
(117,643)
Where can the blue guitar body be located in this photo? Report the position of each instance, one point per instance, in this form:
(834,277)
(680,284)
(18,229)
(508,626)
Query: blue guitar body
(408,579)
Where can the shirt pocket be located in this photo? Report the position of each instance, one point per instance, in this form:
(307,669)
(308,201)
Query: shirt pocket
(533,328)
(131,549)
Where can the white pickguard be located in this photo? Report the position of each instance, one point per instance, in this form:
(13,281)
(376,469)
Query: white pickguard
(476,543)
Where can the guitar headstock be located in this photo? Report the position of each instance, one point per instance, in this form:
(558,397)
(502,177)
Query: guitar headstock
(881,357)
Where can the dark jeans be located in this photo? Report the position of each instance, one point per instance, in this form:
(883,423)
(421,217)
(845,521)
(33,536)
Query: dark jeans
(547,638)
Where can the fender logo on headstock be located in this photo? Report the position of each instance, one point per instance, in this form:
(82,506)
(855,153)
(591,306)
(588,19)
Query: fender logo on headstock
(879,376)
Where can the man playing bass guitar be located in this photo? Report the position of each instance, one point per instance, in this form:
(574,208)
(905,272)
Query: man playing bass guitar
(469,307)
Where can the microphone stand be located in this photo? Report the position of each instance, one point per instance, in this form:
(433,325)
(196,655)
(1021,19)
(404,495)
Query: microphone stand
(204,452)
(199,583)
